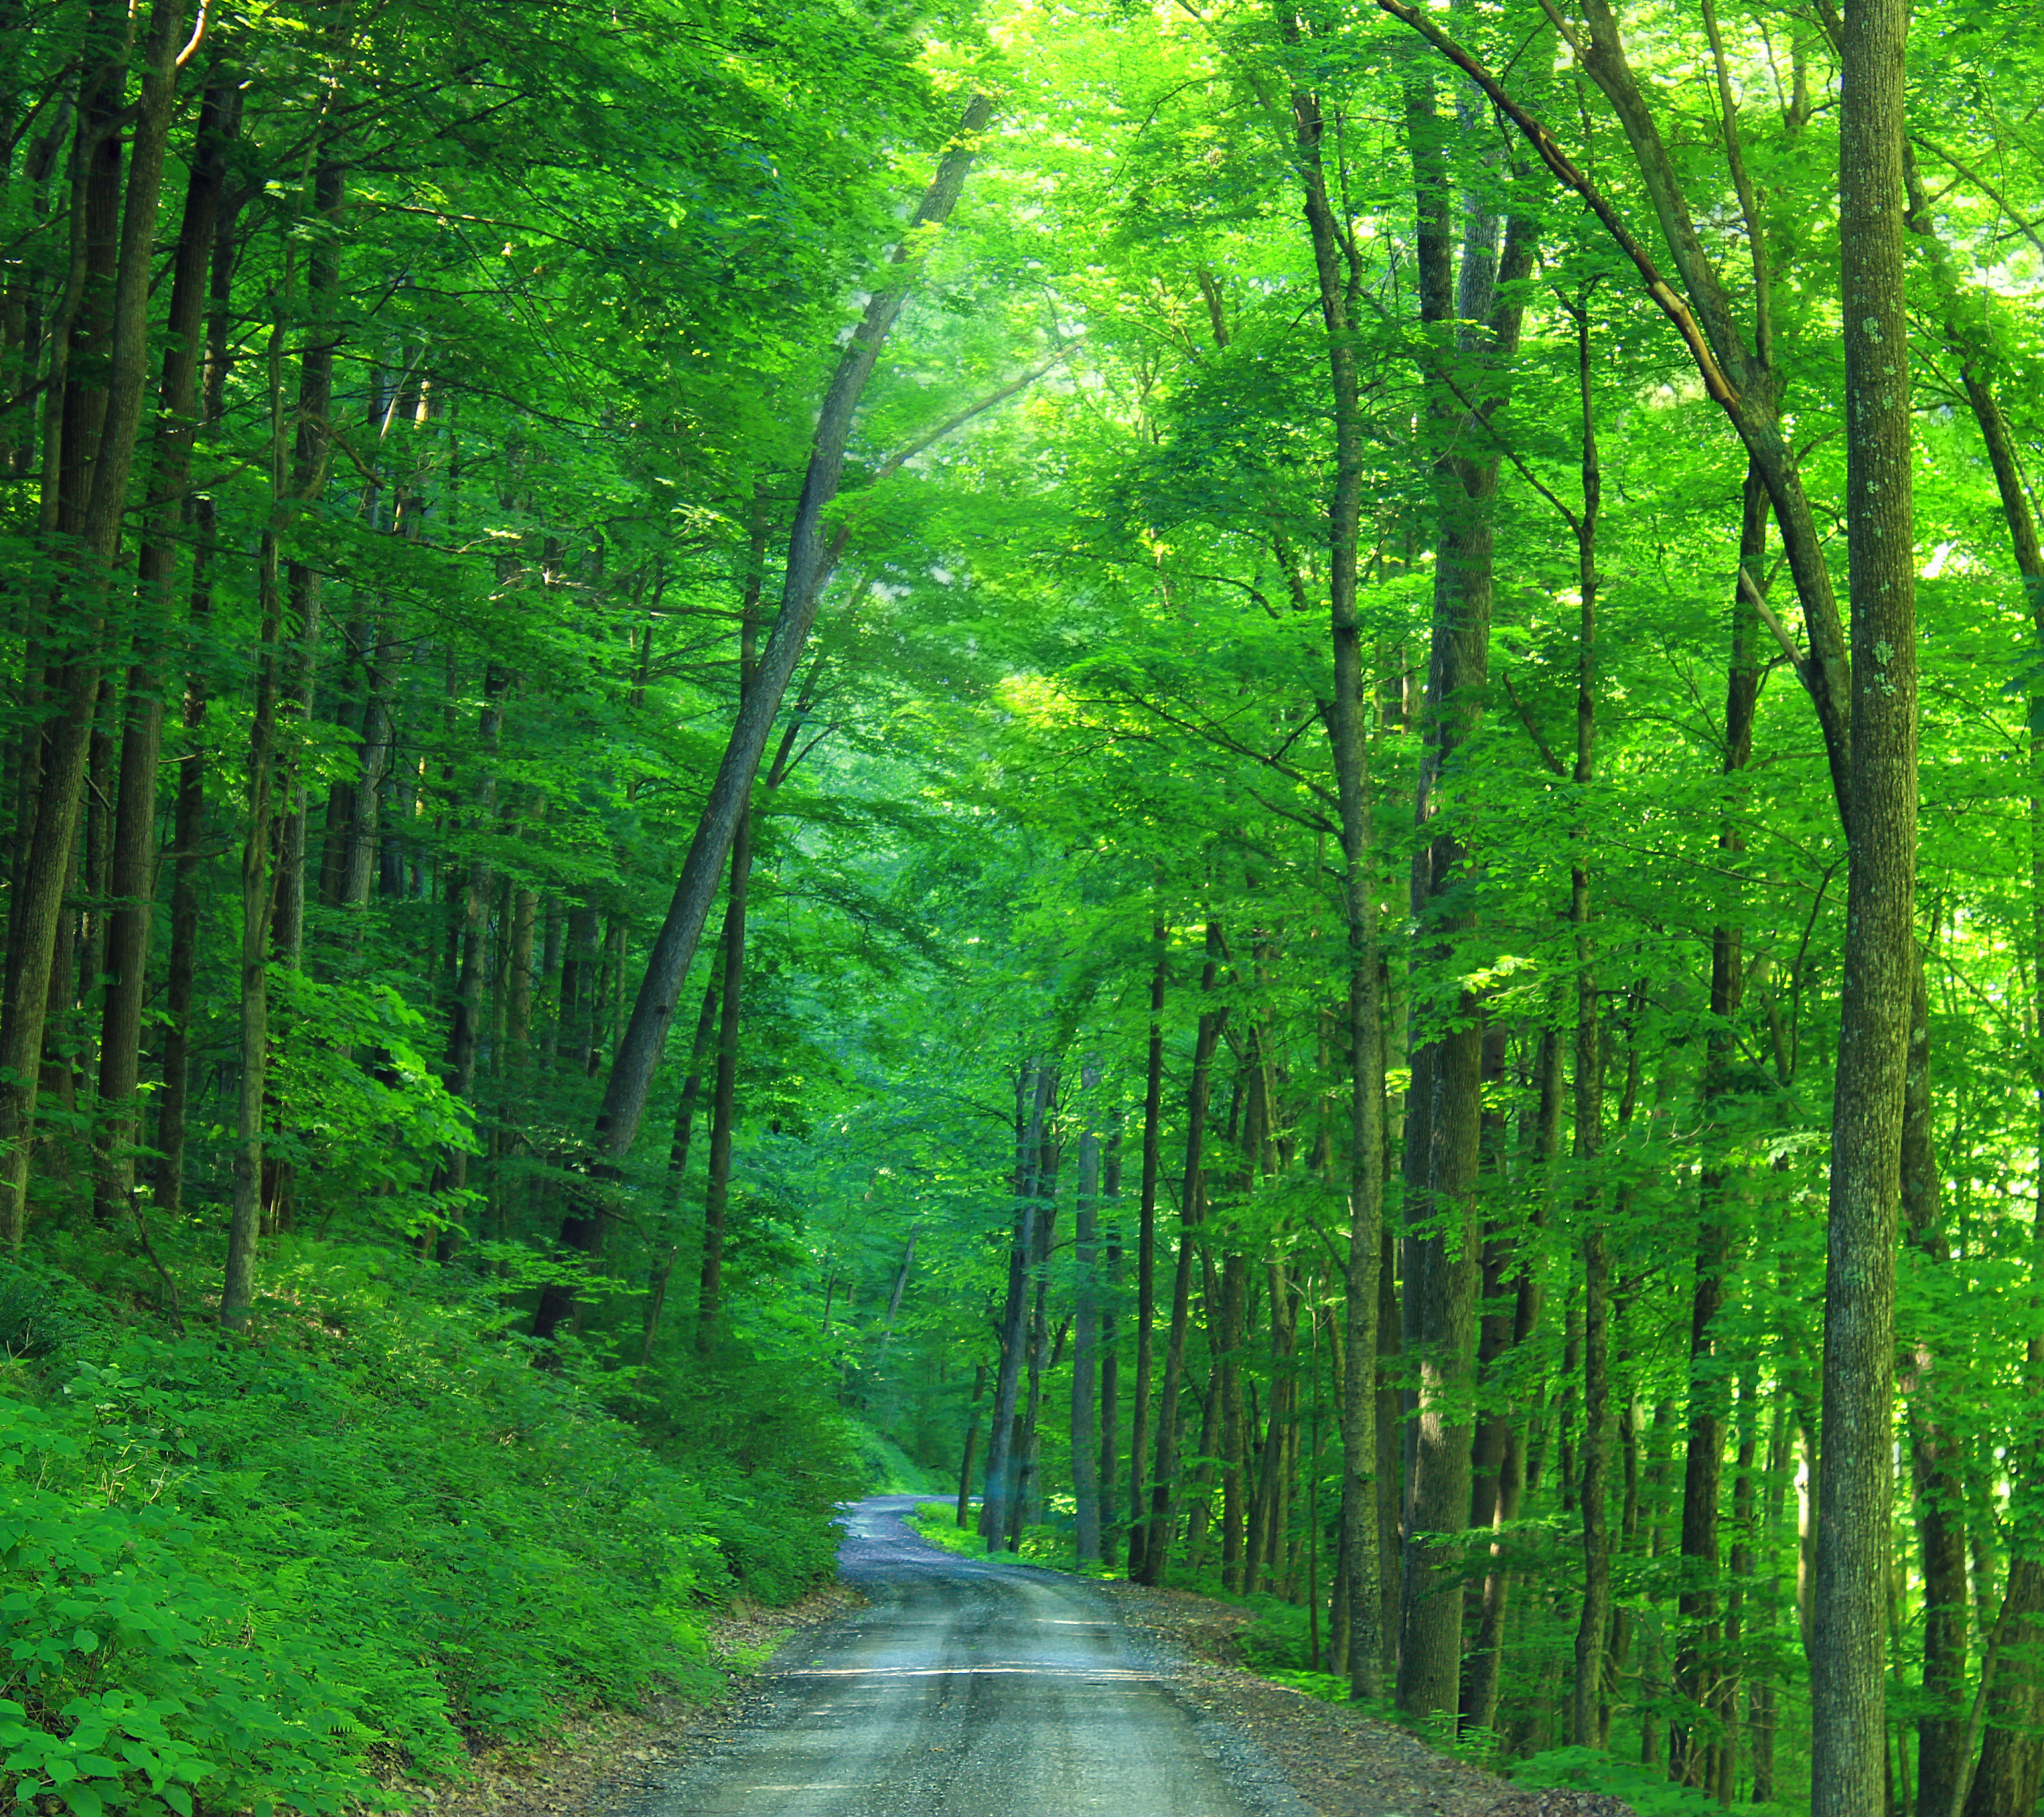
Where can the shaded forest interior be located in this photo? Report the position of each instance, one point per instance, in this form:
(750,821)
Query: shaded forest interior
(1263,785)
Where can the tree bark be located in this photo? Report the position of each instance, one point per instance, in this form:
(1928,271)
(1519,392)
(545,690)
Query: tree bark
(131,881)
(1085,1337)
(1110,1354)
(723,1098)
(1848,1653)
(1192,1207)
(1340,276)
(1146,1260)
(90,466)
(1586,1697)
(1701,1671)
(1441,1278)
(1033,1087)
(189,823)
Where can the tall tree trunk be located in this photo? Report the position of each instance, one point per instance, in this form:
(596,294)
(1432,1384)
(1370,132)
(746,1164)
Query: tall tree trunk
(1085,1335)
(1586,1698)
(2011,1761)
(631,1069)
(1937,1459)
(465,1015)
(100,421)
(678,1151)
(723,1098)
(1110,1355)
(1227,1339)
(1441,1281)
(131,881)
(190,817)
(1848,1654)
(1701,1672)
(1340,277)
(1033,1086)
(273,853)
(1191,1210)
(258,881)
(1146,1260)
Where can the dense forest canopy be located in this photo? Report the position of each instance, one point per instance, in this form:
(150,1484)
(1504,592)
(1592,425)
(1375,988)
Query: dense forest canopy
(1267,778)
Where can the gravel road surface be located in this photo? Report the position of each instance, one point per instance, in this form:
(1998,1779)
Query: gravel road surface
(971,1689)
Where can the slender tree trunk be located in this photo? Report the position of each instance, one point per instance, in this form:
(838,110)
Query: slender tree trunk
(1937,1460)
(1032,1097)
(190,820)
(971,1441)
(1849,1650)
(1146,1261)
(677,1152)
(1700,1670)
(1110,1355)
(724,1100)
(1228,1337)
(100,420)
(257,884)
(1340,277)
(131,881)
(1586,1718)
(2011,1760)
(1085,1337)
(631,1069)
(1441,1277)
(1191,1210)
(465,1017)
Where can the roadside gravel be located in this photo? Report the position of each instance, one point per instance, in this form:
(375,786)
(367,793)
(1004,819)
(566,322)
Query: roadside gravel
(1339,1762)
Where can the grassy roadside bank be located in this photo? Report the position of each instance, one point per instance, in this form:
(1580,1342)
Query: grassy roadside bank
(331,1563)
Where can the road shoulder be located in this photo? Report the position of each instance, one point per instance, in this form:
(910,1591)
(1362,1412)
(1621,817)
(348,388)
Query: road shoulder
(1336,1760)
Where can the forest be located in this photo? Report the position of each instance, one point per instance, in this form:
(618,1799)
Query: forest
(1262,785)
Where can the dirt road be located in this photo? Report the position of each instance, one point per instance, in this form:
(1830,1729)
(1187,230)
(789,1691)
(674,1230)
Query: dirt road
(973,1690)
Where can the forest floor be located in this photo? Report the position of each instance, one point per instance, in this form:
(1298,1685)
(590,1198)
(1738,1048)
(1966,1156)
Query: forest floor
(1339,1762)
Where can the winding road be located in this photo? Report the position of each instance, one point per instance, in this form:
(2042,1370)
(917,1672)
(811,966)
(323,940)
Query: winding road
(971,1689)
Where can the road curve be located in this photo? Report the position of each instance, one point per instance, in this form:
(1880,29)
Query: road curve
(969,1689)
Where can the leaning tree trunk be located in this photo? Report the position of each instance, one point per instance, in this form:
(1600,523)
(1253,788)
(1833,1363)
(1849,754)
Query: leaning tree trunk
(631,1071)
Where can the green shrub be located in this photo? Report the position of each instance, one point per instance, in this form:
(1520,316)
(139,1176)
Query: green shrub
(233,1565)
(1592,1769)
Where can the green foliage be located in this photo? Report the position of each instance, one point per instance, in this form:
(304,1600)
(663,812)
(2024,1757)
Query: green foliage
(38,1317)
(235,1567)
(889,1470)
(1592,1769)
(937,1522)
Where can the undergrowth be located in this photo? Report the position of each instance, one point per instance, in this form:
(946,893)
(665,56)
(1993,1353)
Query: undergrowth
(241,1570)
